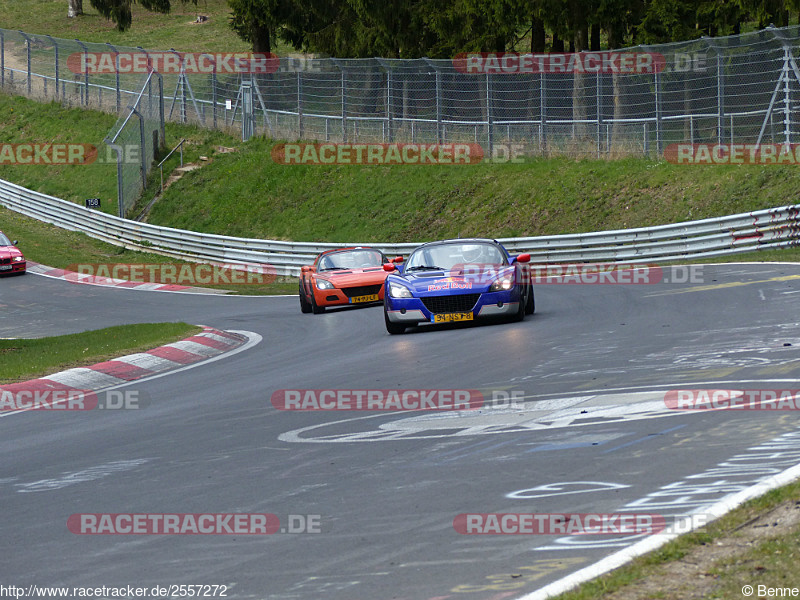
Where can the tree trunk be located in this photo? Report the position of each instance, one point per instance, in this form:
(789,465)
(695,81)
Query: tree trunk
(537,36)
(261,39)
(594,44)
(75,8)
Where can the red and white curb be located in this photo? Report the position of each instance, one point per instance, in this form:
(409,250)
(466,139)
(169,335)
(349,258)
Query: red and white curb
(81,278)
(210,345)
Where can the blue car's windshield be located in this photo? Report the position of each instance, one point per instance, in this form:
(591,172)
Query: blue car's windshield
(447,256)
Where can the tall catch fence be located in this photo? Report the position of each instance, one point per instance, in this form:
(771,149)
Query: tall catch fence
(136,139)
(737,89)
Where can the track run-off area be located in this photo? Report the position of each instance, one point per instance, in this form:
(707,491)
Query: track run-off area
(368,503)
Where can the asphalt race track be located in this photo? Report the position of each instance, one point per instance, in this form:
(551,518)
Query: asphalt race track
(593,436)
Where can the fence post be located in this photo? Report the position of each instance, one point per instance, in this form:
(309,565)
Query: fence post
(248,110)
(720,97)
(120,193)
(27,58)
(214,95)
(142,153)
(116,72)
(543,113)
(389,111)
(299,104)
(389,136)
(599,112)
(85,75)
(2,59)
(489,116)
(343,91)
(55,53)
(438,107)
(659,124)
(162,128)
(787,99)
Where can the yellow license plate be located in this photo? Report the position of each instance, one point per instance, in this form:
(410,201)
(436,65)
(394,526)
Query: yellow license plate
(451,317)
(367,298)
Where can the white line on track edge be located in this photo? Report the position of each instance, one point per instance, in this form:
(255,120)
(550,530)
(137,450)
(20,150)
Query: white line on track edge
(686,525)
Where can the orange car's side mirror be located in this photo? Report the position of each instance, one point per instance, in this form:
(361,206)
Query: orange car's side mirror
(389,267)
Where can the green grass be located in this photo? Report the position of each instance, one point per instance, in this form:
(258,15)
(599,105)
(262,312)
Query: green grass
(152,31)
(25,359)
(26,121)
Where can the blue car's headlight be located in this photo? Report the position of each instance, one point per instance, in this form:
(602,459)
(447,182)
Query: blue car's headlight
(324,284)
(503,284)
(399,291)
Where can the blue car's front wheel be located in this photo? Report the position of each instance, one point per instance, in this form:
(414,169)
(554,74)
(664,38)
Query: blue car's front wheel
(530,305)
(392,328)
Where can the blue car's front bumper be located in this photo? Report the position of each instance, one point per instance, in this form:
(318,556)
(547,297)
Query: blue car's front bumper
(409,311)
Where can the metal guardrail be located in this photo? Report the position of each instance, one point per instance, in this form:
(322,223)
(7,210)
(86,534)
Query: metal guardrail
(764,229)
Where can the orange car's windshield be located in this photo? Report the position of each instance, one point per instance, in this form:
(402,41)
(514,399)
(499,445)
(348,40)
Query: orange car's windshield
(351,259)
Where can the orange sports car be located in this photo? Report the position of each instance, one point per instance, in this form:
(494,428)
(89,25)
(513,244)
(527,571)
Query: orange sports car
(344,277)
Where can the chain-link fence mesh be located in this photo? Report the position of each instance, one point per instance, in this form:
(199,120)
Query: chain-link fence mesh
(740,89)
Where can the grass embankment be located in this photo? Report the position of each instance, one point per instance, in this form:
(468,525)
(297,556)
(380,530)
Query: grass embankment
(248,194)
(245,193)
(24,359)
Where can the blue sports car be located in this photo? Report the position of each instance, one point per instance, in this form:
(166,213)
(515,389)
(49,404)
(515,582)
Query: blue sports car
(457,280)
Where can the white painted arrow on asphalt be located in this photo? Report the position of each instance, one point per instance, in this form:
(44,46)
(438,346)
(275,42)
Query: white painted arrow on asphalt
(562,489)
